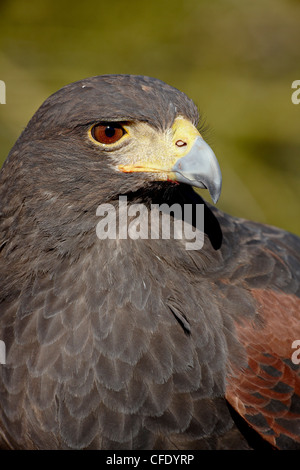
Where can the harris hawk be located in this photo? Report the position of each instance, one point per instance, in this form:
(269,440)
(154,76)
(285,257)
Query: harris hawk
(138,342)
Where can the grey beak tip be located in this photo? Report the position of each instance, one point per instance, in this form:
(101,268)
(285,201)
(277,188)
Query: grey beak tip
(215,192)
(215,198)
(200,168)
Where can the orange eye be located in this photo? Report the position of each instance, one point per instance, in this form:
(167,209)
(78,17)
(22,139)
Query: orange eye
(108,133)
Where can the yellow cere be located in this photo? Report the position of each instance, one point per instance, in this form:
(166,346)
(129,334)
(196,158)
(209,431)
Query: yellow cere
(158,152)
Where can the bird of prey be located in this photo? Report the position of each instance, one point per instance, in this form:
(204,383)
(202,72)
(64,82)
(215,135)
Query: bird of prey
(138,342)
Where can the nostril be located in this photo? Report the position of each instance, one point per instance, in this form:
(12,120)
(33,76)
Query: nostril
(180,143)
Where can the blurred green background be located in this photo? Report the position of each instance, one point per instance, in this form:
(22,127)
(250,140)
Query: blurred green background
(236,59)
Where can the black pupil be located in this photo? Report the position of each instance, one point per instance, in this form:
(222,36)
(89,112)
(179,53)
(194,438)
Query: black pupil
(110,131)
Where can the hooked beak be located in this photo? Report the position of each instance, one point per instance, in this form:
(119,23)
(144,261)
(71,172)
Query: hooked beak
(200,168)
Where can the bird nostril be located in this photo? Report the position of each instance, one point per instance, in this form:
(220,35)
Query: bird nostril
(180,143)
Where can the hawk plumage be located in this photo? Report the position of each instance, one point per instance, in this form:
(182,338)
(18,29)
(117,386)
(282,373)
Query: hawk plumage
(137,343)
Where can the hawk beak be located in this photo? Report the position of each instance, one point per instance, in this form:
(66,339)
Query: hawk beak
(184,158)
(200,168)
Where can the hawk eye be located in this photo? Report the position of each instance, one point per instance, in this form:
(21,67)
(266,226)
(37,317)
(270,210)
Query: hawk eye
(108,133)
